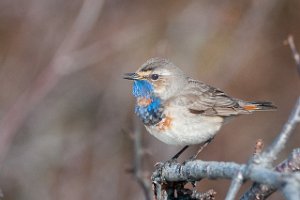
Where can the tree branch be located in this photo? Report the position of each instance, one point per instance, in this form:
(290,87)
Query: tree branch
(137,168)
(267,157)
(260,191)
(239,178)
(291,43)
(236,184)
(197,170)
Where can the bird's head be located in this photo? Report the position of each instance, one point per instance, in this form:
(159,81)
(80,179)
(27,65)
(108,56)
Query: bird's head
(157,77)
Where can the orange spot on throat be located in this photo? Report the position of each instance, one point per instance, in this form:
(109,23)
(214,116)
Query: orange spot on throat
(142,101)
(165,124)
(250,107)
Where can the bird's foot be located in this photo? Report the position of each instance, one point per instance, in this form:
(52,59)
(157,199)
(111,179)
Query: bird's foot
(159,166)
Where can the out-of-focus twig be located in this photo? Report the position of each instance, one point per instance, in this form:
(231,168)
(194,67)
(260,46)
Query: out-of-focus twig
(137,168)
(46,81)
(68,59)
(259,145)
(272,151)
(138,153)
(292,164)
(291,43)
(266,158)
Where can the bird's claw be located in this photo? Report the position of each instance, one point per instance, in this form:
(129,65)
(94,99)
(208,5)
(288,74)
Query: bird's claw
(159,166)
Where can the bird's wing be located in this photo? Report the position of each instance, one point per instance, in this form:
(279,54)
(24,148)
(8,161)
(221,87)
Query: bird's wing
(200,98)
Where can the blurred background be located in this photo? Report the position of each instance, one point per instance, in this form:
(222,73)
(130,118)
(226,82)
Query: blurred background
(67,116)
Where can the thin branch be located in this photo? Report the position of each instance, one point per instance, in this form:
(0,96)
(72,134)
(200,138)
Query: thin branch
(83,24)
(292,164)
(208,195)
(137,169)
(260,191)
(239,178)
(291,43)
(271,153)
(49,78)
(197,170)
(258,149)
(235,185)
(266,158)
(291,190)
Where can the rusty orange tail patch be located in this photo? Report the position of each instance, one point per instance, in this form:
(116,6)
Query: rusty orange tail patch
(250,107)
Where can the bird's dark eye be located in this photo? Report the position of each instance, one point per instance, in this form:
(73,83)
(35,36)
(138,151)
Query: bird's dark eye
(154,76)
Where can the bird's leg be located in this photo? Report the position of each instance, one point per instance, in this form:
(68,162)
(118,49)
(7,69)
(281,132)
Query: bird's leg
(179,153)
(201,148)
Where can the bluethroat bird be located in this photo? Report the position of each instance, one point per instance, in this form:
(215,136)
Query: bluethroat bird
(179,110)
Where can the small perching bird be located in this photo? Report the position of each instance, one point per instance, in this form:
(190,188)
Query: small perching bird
(179,110)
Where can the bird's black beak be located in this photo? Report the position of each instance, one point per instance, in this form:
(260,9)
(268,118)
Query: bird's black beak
(131,76)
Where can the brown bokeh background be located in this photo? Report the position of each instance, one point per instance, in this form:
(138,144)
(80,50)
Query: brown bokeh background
(64,107)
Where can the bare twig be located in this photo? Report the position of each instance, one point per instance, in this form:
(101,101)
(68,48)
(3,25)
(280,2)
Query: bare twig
(260,191)
(291,43)
(239,178)
(292,164)
(291,190)
(138,153)
(137,168)
(235,185)
(271,153)
(48,79)
(176,190)
(266,158)
(259,145)
(208,195)
(60,66)
(197,170)
(187,194)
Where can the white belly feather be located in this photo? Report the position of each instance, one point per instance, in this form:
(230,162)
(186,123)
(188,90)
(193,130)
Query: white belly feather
(187,128)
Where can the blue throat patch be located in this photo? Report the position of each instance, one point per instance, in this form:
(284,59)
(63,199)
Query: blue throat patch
(142,88)
(152,113)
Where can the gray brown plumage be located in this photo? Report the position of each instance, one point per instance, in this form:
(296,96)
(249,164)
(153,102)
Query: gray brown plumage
(179,110)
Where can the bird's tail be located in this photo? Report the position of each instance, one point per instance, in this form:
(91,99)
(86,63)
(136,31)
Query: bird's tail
(259,106)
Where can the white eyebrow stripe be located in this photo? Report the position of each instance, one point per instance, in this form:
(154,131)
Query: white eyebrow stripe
(165,73)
